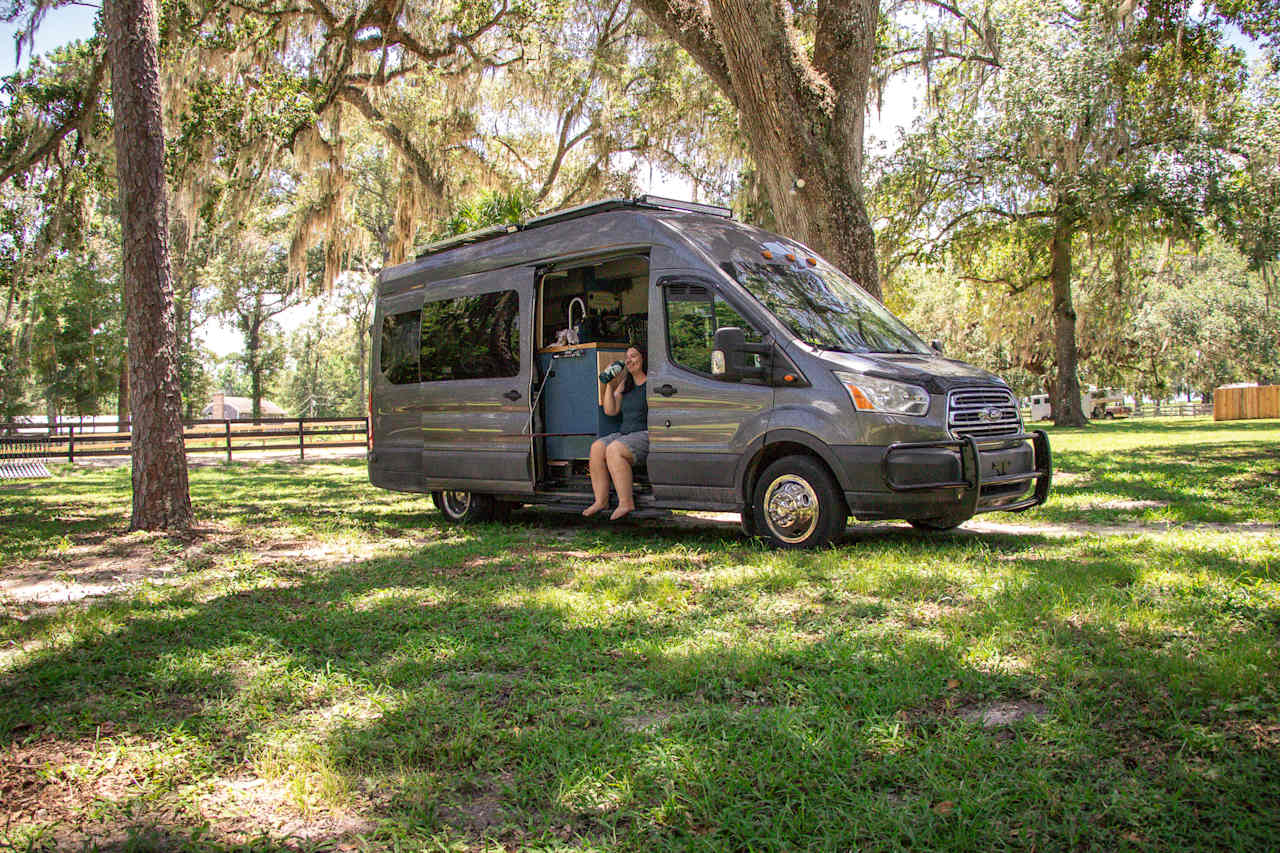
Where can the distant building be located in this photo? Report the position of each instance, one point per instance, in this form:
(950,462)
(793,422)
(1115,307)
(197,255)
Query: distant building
(226,408)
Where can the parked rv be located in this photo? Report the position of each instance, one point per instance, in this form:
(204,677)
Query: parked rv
(777,388)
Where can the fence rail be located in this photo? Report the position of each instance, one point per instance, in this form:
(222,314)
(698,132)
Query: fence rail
(1175,410)
(20,440)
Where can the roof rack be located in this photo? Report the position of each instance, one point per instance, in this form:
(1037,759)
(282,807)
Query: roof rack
(649,201)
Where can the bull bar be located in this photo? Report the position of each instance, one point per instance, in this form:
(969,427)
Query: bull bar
(971,479)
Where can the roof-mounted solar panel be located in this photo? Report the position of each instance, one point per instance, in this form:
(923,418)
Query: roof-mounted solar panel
(691,206)
(476,236)
(644,201)
(579,210)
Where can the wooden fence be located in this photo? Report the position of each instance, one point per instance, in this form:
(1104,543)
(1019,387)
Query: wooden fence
(1173,410)
(65,441)
(1257,401)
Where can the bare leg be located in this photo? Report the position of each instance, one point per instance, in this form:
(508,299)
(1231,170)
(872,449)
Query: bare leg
(599,479)
(619,459)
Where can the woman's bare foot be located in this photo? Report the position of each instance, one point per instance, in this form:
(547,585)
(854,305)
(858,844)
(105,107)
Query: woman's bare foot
(621,511)
(593,509)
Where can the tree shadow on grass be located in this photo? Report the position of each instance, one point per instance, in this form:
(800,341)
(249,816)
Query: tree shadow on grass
(484,686)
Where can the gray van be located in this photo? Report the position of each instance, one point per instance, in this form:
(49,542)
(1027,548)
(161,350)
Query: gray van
(778,388)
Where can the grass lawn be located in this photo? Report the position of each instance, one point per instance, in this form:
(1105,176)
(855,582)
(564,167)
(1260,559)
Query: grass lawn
(328,665)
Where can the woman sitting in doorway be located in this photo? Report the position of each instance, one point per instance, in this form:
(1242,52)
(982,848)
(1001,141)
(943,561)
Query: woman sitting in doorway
(615,454)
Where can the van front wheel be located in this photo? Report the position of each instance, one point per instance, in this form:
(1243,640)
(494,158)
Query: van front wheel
(464,507)
(797,504)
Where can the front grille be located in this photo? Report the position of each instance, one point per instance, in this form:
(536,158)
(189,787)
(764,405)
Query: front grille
(982,413)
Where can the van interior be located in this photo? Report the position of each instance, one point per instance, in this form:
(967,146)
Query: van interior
(588,313)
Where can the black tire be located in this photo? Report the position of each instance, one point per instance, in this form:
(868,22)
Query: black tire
(748,523)
(934,525)
(1111,416)
(502,509)
(464,507)
(797,504)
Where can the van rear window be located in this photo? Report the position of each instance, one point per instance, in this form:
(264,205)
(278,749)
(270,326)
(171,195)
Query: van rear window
(399,355)
(471,337)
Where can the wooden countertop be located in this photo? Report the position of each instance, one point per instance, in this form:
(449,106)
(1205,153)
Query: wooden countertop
(592,345)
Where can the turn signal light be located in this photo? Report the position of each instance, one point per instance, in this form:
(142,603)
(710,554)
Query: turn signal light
(791,257)
(860,400)
(767,255)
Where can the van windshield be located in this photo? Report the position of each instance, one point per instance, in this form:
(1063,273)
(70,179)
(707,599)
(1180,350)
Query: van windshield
(824,308)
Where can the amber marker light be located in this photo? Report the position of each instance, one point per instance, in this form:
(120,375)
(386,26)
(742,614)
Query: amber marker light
(767,255)
(790,377)
(813,262)
(791,257)
(860,400)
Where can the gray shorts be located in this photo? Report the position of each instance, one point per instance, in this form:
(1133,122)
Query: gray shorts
(636,442)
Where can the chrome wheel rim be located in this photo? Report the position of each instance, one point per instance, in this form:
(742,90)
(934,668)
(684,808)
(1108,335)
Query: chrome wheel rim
(791,508)
(456,504)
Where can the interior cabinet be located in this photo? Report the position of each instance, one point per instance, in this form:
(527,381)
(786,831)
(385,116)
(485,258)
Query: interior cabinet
(572,399)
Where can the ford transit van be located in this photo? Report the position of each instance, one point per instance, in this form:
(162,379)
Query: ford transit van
(777,388)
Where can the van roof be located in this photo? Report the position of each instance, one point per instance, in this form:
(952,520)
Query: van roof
(651,202)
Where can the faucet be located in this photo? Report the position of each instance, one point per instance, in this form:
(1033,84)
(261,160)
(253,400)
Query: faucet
(582,305)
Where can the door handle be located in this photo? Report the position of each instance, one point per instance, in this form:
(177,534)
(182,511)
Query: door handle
(512,395)
(667,390)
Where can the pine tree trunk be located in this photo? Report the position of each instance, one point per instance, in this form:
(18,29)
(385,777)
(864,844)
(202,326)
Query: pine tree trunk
(1066,399)
(161,499)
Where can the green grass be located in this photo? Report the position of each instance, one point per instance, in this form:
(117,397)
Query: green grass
(330,663)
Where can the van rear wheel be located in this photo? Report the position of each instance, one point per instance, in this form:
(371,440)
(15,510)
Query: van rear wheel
(797,504)
(464,507)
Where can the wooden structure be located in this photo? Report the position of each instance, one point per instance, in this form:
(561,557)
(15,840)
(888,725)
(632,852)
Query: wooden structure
(1240,403)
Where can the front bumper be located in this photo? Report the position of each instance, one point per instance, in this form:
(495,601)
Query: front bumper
(985,482)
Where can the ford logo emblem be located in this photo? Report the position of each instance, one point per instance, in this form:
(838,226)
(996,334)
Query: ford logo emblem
(989,414)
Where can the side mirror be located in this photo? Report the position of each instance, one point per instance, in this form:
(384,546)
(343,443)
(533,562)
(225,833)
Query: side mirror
(728,358)
(936,346)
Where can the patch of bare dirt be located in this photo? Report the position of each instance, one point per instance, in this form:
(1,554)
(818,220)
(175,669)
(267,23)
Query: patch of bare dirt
(483,808)
(101,564)
(70,786)
(1244,528)
(52,780)
(1001,714)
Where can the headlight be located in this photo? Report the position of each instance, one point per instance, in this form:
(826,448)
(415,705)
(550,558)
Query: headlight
(870,394)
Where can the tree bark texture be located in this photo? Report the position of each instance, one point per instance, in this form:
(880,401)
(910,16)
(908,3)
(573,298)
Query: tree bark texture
(1067,410)
(803,118)
(161,499)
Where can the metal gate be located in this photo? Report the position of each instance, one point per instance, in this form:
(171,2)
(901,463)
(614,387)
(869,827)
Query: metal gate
(23,457)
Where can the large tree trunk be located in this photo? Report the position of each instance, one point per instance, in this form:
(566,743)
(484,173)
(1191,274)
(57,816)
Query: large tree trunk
(1066,393)
(802,118)
(161,499)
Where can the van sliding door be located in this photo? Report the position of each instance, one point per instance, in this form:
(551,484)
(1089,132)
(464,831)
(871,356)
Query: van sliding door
(476,356)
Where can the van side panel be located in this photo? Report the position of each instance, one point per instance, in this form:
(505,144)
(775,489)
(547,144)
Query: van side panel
(394,418)
(699,426)
(475,430)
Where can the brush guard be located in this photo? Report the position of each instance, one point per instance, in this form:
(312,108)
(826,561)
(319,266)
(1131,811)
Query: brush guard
(971,481)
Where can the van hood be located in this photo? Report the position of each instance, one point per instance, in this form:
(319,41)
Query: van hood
(934,373)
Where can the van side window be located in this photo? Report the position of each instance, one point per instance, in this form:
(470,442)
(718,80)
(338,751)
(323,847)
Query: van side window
(471,337)
(399,355)
(694,313)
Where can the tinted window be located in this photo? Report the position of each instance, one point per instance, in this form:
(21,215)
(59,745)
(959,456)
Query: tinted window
(471,337)
(399,357)
(693,315)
